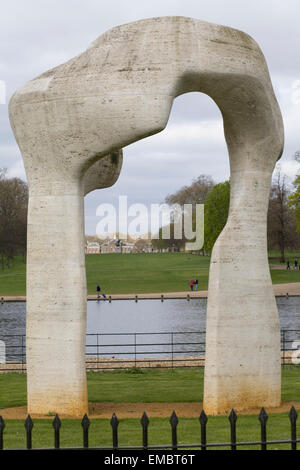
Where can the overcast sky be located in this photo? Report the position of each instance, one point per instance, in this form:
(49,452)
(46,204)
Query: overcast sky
(36,35)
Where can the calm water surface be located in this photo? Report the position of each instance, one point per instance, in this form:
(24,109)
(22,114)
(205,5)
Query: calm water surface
(151,316)
(118,321)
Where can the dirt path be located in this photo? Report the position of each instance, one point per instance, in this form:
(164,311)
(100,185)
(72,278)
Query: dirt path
(135,410)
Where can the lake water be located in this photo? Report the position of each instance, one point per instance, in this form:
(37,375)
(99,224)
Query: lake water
(130,324)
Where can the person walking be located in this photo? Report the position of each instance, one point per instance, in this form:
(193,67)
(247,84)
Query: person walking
(98,291)
(288,265)
(196,284)
(296,264)
(192,285)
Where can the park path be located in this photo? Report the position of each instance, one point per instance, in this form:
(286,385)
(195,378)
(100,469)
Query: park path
(135,410)
(292,289)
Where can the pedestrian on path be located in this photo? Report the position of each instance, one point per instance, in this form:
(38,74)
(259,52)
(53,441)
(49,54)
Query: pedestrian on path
(192,285)
(288,265)
(98,293)
(196,284)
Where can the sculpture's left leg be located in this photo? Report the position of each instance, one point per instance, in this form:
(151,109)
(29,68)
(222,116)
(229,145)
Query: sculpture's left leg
(56,300)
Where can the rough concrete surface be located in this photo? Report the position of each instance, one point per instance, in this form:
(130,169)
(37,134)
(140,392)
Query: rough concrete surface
(118,91)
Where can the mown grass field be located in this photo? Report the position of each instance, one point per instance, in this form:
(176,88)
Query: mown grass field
(180,385)
(142,386)
(140,273)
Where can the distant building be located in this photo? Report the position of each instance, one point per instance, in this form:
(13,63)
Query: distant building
(92,248)
(116,246)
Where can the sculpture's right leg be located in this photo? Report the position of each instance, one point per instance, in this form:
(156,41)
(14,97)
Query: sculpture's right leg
(56,301)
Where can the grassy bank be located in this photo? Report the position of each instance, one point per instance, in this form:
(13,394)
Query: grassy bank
(140,273)
(180,385)
(146,386)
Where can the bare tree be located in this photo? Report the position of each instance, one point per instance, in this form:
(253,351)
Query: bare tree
(297,156)
(13,218)
(196,193)
(281,222)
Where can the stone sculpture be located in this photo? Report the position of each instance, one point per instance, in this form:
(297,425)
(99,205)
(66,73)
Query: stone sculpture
(118,91)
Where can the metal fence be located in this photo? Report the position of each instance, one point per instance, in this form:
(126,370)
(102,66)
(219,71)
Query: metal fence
(232,444)
(142,350)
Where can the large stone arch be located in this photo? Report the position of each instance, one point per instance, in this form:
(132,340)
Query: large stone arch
(118,91)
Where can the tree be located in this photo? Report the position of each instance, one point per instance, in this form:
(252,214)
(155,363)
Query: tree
(297,156)
(281,222)
(13,217)
(294,202)
(215,213)
(196,193)
(171,243)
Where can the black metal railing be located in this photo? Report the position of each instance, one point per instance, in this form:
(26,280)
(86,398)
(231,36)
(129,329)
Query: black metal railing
(166,350)
(174,445)
(105,351)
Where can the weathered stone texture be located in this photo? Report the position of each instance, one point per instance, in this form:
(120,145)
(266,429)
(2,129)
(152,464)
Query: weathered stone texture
(117,92)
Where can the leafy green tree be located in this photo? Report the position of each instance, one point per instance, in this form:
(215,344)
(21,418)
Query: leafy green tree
(294,201)
(215,213)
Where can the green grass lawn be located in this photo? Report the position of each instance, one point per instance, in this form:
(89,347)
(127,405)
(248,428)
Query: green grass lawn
(142,273)
(130,432)
(179,385)
(13,279)
(147,385)
(139,273)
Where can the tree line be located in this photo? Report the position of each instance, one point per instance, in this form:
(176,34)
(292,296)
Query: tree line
(283,227)
(13,218)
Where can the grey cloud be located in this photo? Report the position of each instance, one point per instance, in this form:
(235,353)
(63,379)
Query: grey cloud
(38,35)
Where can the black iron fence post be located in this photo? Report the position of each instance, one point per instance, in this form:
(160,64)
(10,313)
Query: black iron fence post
(293,418)
(28,427)
(145,424)
(114,424)
(56,425)
(174,423)
(85,423)
(203,422)
(2,426)
(263,418)
(232,419)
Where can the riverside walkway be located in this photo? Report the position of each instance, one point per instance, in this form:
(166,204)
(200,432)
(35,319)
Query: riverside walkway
(280,290)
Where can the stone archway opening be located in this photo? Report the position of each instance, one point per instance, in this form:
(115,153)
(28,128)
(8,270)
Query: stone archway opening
(191,144)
